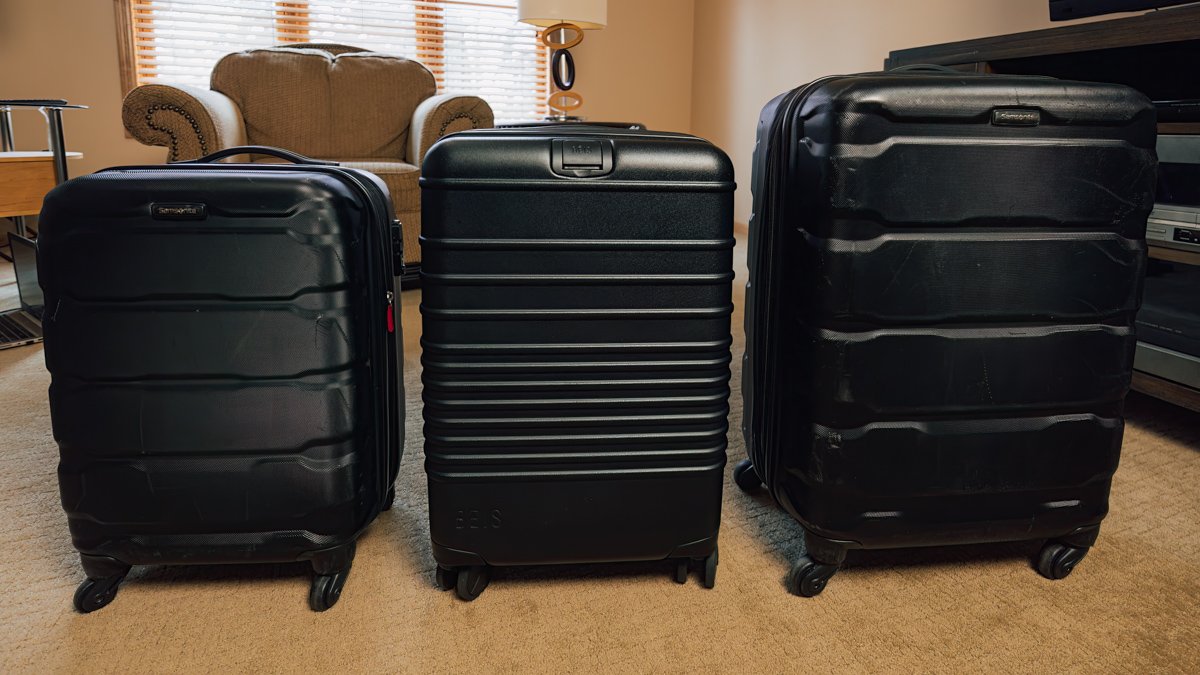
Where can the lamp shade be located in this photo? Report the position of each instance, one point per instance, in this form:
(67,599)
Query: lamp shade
(587,14)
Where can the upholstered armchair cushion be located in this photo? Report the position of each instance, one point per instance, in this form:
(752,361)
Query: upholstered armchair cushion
(190,121)
(352,104)
(445,114)
(366,110)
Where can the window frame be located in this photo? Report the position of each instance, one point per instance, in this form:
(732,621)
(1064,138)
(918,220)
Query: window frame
(126,55)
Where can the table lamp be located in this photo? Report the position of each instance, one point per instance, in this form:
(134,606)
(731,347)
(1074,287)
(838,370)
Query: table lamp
(563,23)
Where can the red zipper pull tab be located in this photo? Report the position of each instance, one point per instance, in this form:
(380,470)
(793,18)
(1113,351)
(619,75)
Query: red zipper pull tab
(391,314)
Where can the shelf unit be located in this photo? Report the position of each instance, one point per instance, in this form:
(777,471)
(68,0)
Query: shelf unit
(1157,53)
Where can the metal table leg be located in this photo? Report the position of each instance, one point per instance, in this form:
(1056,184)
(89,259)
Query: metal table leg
(6,132)
(57,146)
(7,145)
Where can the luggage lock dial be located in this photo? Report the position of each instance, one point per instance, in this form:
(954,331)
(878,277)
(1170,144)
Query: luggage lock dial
(581,157)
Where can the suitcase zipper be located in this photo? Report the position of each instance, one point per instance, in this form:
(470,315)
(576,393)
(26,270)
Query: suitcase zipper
(389,404)
(391,393)
(778,148)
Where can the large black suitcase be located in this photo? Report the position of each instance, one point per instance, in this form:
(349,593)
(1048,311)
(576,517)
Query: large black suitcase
(224,367)
(944,273)
(576,348)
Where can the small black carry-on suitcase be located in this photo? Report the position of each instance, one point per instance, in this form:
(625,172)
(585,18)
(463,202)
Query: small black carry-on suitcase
(224,367)
(576,308)
(944,273)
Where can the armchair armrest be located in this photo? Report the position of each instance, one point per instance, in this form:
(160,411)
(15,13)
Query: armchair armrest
(189,120)
(445,114)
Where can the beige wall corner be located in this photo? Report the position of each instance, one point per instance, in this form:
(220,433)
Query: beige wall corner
(68,49)
(749,51)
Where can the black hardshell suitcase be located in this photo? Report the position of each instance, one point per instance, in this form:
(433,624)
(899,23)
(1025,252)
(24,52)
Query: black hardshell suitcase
(576,306)
(944,273)
(224,367)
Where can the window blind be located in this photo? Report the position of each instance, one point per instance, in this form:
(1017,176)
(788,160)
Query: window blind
(472,46)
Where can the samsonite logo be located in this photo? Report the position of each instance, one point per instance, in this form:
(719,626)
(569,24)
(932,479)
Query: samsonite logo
(178,211)
(1016,117)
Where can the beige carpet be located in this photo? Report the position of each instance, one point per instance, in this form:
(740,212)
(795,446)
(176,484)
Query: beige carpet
(1132,606)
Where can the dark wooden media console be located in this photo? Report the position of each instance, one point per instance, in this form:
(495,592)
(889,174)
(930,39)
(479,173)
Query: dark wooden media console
(1157,53)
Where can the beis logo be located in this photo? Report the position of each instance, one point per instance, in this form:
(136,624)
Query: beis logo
(1016,117)
(178,211)
(477,519)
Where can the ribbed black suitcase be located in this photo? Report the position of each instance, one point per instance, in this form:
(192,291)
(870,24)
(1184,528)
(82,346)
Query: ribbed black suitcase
(577,300)
(224,367)
(944,273)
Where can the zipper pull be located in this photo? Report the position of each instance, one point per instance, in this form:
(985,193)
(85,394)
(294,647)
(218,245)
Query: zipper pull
(391,313)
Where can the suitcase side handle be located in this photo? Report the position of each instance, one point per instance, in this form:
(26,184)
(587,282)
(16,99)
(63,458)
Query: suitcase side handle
(290,156)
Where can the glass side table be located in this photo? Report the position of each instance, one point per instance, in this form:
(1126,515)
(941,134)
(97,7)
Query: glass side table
(31,173)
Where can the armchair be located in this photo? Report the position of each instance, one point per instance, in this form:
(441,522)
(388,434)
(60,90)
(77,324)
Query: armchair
(366,110)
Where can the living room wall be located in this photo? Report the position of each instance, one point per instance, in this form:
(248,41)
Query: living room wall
(639,69)
(68,49)
(746,53)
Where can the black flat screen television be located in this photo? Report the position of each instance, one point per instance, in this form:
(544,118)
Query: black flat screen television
(1065,10)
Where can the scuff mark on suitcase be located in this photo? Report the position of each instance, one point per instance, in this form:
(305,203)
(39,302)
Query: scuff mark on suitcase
(341,331)
(345,404)
(142,423)
(1088,304)
(896,275)
(241,343)
(342,263)
(318,330)
(1118,197)
(987,385)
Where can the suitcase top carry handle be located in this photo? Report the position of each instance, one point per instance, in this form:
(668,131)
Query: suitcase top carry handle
(292,157)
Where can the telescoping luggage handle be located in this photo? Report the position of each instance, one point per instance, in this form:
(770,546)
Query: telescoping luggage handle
(925,68)
(935,68)
(292,157)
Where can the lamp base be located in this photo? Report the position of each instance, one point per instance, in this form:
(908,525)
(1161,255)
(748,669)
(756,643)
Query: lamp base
(560,37)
